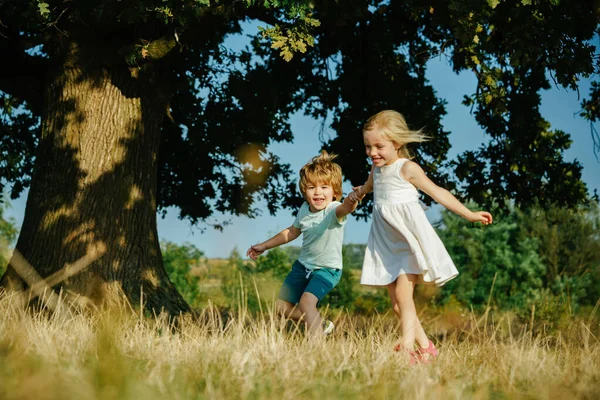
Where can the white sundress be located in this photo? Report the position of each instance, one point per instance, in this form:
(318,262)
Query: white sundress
(401,240)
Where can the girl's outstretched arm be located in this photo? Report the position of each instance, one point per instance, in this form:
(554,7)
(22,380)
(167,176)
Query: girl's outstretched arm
(283,237)
(361,191)
(414,174)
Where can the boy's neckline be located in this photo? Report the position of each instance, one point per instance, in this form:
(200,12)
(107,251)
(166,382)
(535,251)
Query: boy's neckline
(318,211)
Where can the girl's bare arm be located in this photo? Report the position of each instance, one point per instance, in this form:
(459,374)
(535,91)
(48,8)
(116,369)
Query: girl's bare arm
(361,191)
(414,174)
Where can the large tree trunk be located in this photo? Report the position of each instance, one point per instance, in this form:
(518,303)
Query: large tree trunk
(94,187)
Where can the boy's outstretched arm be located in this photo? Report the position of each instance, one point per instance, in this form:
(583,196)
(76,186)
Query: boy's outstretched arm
(283,237)
(348,206)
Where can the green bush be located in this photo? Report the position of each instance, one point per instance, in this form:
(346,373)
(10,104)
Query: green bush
(240,287)
(276,261)
(178,261)
(376,300)
(569,245)
(344,295)
(8,234)
(354,255)
(547,259)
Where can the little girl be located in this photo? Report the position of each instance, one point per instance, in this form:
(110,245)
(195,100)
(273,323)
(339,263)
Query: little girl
(403,248)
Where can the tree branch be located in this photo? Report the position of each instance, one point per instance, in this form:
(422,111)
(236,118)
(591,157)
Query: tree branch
(150,50)
(23,75)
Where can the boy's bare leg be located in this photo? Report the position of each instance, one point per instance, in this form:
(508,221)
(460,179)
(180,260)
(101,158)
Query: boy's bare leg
(289,310)
(308,307)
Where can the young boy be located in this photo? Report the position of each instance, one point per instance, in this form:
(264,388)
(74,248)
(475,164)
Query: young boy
(321,221)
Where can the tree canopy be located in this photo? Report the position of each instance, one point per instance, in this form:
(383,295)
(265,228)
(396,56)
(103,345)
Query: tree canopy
(344,60)
(114,109)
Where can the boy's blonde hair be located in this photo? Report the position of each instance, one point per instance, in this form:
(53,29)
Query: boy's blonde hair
(322,169)
(393,127)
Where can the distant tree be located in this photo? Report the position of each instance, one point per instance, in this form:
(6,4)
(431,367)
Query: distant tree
(239,284)
(499,260)
(354,255)
(275,261)
(344,294)
(8,233)
(293,252)
(525,257)
(569,246)
(178,261)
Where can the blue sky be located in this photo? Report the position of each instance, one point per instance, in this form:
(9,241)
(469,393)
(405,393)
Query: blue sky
(559,106)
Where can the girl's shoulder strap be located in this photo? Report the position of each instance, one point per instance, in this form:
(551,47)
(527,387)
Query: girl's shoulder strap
(400,163)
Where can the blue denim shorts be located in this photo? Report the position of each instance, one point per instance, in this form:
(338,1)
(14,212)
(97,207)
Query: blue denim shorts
(300,279)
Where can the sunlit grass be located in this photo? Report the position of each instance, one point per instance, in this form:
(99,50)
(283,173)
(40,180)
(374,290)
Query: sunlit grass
(116,354)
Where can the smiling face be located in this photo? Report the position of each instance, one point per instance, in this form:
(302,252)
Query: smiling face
(321,181)
(318,195)
(380,150)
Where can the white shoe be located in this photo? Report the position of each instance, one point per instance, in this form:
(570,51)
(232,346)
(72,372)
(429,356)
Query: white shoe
(327,327)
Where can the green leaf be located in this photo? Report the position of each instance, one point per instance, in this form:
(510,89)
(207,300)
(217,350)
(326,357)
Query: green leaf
(493,3)
(44,9)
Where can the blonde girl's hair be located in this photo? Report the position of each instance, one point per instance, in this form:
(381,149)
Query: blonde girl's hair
(393,127)
(322,170)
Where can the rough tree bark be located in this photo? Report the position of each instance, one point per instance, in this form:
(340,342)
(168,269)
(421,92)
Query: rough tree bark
(95,183)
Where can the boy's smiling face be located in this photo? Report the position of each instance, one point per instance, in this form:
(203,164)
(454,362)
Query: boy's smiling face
(318,195)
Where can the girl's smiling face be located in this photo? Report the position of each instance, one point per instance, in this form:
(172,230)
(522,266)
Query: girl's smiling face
(380,150)
(318,195)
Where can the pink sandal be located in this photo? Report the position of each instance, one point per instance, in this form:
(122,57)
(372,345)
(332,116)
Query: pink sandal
(414,356)
(428,354)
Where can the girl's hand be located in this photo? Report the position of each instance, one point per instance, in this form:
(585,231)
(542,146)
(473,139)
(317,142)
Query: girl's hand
(481,216)
(255,251)
(356,194)
(353,197)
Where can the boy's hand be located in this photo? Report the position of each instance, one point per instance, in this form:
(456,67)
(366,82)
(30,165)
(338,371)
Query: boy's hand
(481,216)
(255,251)
(355,196)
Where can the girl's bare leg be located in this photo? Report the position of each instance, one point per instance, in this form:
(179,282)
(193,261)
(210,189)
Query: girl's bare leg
(401,293)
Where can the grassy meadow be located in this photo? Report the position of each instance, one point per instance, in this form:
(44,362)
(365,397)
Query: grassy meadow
(118,354)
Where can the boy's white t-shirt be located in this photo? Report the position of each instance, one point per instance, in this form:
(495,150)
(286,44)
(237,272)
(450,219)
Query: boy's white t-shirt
(322,237)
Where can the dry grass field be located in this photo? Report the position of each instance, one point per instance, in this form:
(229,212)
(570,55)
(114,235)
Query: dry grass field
(117,354)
